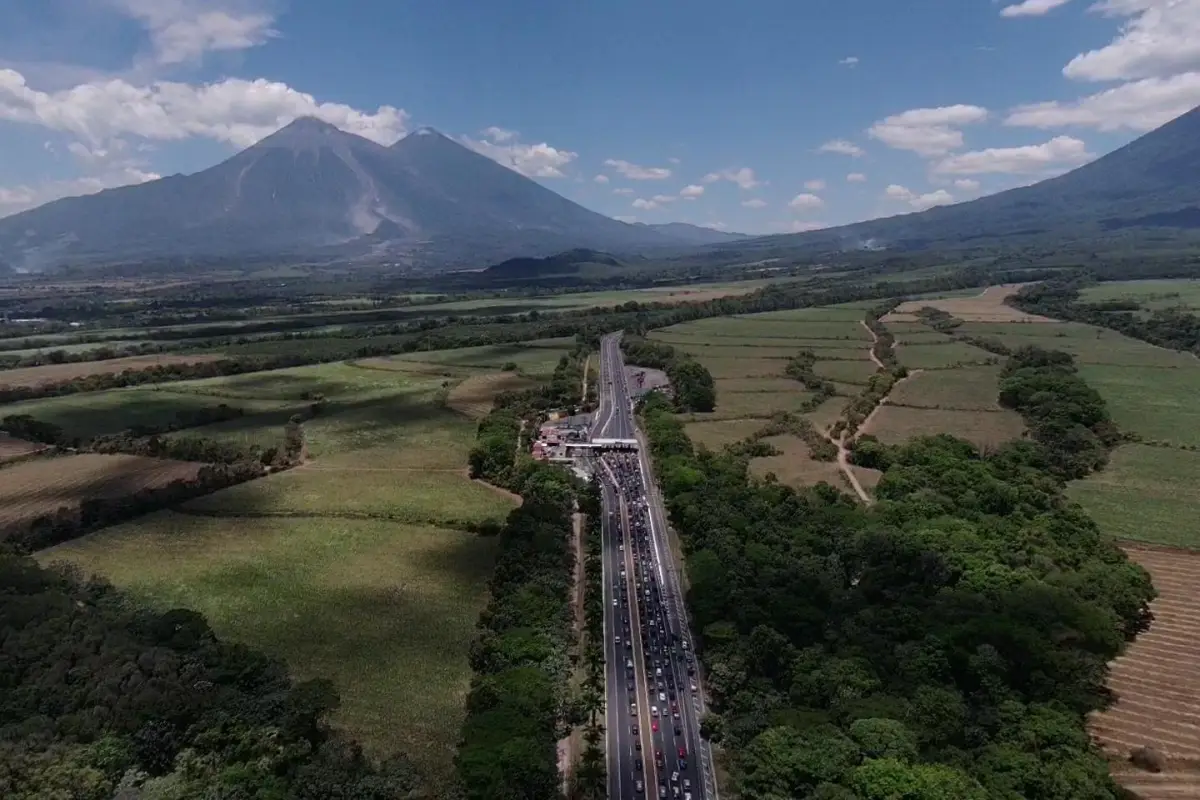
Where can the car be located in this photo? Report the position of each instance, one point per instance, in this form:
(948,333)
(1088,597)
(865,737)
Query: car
(654,725)
(674,777)
(614,602)
(633,709)
(637,745)
(683,752)
(637,763)
(694,688)
(654,711)
(616,640)
(641,787)
(687,784)
(662,697)
(629,686)
(662,791)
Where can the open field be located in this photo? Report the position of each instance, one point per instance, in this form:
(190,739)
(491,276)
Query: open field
(732,404)
(42,486)
(1145,494)
(966,389)
(718,434)
(858,372)
(1151,295)
(732,368)
(988,306)
(531,358)
(942,355)
(12,449)
(1156,684)
(387,611)
(58,373)
(475,395)
(895,424)
(794,466)
(1158,404)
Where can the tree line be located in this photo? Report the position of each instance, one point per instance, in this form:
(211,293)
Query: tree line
(947,642)
(518,704)
(692,385)
(104,698)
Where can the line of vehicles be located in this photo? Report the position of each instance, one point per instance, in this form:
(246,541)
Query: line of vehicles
(669,667)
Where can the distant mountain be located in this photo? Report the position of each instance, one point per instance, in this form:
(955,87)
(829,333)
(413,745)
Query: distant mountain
(693,234)
(312,190)
(1152,182)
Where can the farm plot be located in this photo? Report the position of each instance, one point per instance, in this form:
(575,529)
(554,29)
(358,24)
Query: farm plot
(895,424)
(42,486)
(12,449)
(1159,404)
(965,389)
(855,372)
(474,396)
(941,356)
(534,358)
(58,373)
(1151,295)
(1155,684)
(734,368)
(988,306)
(794,466)
(738,405)
(386,611)
(718,434)
(1145,494)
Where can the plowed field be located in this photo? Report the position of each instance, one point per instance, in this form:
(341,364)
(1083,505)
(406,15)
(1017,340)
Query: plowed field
(44,485)
(1157,683)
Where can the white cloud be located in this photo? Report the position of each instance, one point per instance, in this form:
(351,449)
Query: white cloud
(1137,106)
(920,202)
(531,160)
(754,203)
(806,201)
(673,160)
(967,184)
(849,61)
(21,198)
(743,177)
(1160,38)
(856,177)
(182,31)
(841,147)
(500,135)
(814,185)
(927,131)
(638,173)
(235,111)
(1051,156)
(691,192)
(1032,8)
(663,199)
(601,179)
(623,190)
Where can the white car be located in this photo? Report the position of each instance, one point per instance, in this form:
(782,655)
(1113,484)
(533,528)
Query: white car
(654,711)
(662,697)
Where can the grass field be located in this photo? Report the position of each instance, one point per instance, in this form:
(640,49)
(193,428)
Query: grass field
(1145,494)
(967,389)
(354,566)
(385,610)
(1156,294)
(856,372)
(1159,404)
(896,424)
(475,395)
(718,434)
(942,355)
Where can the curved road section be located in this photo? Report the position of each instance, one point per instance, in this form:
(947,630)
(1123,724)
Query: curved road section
(654,705)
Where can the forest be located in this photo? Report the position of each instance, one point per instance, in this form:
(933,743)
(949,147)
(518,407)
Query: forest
(947,642)
(691,383)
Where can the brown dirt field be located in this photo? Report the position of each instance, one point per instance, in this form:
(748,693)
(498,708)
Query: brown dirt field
(58,373)
(1158,704)
(44,485)
(795,467)
(473,397)
(11,448)
(988,306)
(895,424)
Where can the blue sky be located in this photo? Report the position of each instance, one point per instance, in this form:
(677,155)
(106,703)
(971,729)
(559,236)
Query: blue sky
(762,116)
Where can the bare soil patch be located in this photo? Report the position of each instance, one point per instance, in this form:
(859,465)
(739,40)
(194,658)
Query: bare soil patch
(43,486)
(474,397)
(987,306)
(1157,684)
(58,373)
(12,449)
(894,424)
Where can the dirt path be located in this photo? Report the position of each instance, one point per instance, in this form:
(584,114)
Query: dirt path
(871,347)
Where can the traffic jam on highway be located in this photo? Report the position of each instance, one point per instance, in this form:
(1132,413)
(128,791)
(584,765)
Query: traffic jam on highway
(669,663)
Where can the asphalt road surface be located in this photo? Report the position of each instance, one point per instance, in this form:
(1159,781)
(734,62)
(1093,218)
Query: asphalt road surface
(653,704)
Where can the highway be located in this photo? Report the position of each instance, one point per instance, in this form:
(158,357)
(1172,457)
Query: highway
(653,706)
